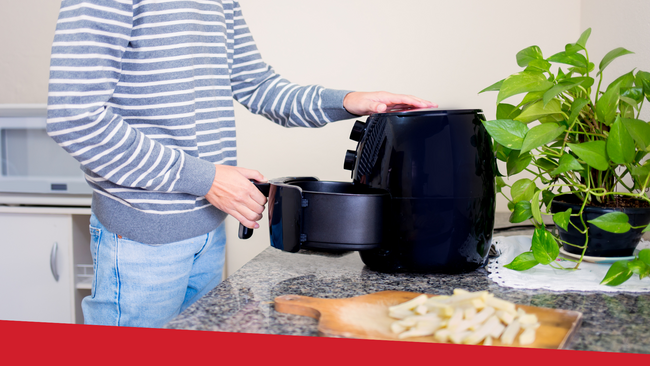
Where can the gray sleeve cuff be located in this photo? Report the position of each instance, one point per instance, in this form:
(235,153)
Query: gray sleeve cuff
(333,104)
(196,177)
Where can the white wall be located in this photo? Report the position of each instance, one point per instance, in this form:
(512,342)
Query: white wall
(622,23)
(26,33)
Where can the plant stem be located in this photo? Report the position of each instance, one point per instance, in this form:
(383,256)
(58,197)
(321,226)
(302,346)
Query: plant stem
(600,80)
(590,134)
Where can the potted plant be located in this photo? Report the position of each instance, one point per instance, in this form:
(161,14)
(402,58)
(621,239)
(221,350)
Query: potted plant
(585,149)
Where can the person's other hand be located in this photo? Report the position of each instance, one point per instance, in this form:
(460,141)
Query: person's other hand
(364,103)
(233,193)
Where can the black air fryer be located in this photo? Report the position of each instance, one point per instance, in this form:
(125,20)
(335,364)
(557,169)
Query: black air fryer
(422,197)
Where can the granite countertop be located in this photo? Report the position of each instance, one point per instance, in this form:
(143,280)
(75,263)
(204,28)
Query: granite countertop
(243,303)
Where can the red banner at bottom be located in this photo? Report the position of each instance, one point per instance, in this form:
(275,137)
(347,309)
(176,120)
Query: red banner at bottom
(24,343)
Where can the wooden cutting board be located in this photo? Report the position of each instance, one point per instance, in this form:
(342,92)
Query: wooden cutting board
(367,317)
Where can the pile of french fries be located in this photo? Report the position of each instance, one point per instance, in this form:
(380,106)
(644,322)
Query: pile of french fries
(464,318)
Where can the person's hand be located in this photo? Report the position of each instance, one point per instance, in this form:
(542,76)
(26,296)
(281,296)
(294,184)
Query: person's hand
(233,193)
(364,103)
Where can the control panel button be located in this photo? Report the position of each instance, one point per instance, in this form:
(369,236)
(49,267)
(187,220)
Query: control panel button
(358,130)
(350,160)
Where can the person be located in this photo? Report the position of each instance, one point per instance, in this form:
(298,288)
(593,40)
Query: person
(141,94)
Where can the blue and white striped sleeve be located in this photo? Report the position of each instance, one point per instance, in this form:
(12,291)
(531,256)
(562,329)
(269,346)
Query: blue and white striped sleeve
(90,40)
(256,86)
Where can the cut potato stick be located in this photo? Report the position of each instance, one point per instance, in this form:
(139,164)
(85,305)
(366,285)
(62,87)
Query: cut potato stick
(500,304)
(459,337)
(468,297)
(421,309)
(497,331)
(423,328)
(455,319)
(469,313)
(527,336)
(486,329)
(409,305)
(505,317)
(476,320)
(509,334)
(487,341)
(527,319)
(399,314)
(442,335)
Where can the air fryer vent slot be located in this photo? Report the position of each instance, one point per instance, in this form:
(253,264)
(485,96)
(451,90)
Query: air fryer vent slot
(372,143)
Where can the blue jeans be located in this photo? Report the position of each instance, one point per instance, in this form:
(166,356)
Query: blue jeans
(142,285)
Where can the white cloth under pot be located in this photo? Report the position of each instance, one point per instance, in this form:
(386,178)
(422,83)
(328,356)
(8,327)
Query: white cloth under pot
(586,278)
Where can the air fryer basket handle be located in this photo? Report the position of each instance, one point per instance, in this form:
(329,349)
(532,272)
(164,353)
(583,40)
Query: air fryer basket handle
(244,232)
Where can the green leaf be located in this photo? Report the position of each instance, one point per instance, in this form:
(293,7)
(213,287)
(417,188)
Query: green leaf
(494,87)
(613,222)
(611,56)
(523,262)
(627,106)
(534,208)
(500,183)
(531,97)
(557,90)
(521,212)
(640,174)
(634,93)
(640,155)
(620,146)
(594,153)
(523,82)
(507,132)
(640,132)
(547,164)
(582,41)
(572,48)
(576,108)
(544,246)
(617,274)
(547,197)
(643,80)
(538,66)
(507,111)
(502,152)
(562,219)
(523,190)
(624,81)
(583,81)
(637,266)
(517,162)
(528,54)
(582,70)
(606,105)
(541,135)
(644,272)
(539,110)
(567,163)
(575,59)
(644,255)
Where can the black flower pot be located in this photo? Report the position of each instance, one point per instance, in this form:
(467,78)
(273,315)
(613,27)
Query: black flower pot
(601,243)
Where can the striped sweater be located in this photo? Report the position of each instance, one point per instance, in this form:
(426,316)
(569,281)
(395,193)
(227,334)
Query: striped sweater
(141,94)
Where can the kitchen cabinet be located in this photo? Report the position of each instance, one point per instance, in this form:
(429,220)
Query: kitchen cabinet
(45,263)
